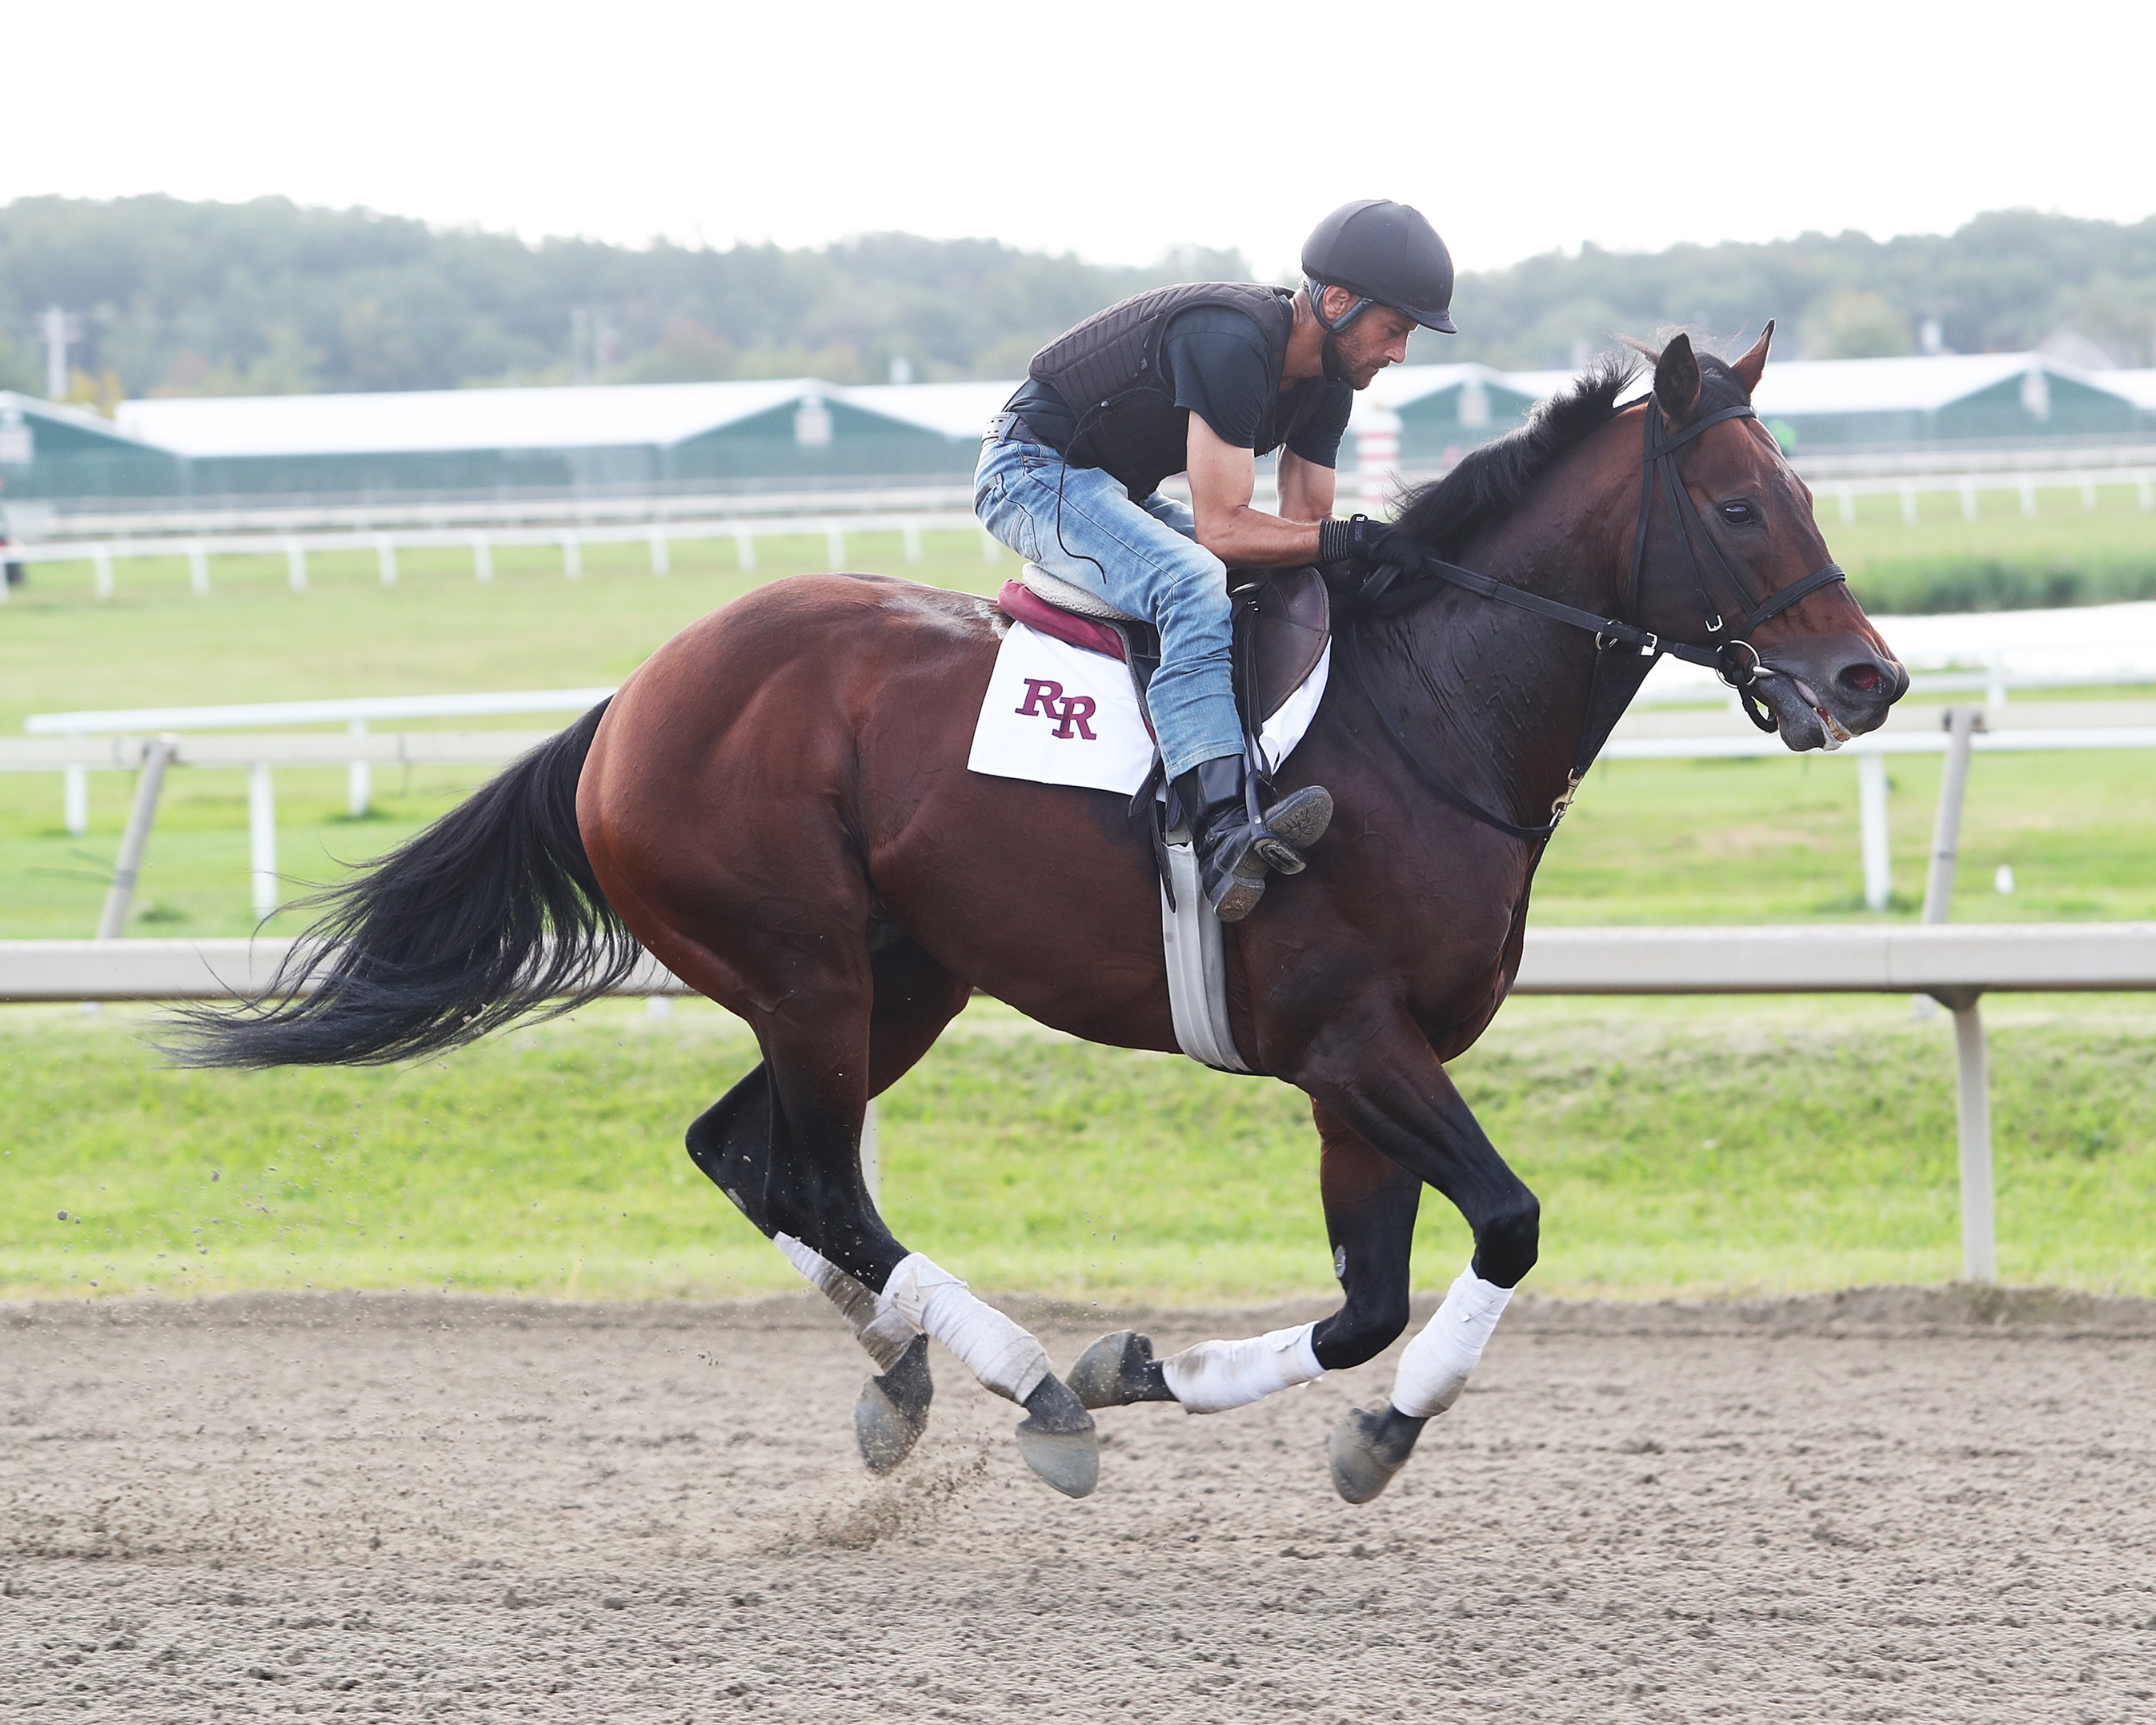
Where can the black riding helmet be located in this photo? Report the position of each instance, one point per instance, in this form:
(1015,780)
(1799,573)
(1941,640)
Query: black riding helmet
(1385,253)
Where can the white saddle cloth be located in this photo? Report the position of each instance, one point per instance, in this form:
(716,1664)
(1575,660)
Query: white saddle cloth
(1058,713)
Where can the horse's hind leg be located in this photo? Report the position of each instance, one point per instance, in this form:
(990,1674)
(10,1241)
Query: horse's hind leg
(1370,1204)
(916,998)
(891,1411)
(784,1146)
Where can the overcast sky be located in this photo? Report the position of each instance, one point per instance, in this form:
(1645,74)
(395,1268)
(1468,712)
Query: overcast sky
(1112,129)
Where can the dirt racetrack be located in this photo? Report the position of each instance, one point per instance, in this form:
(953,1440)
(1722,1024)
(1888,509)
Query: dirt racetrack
(1875,1506)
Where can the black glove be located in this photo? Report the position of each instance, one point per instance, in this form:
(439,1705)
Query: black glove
(1359,541)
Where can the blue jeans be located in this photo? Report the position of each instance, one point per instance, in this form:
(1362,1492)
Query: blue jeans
(1141,558)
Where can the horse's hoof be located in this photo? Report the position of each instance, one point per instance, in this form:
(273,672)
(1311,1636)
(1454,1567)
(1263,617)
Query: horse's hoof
(1117,1370)
(892,1410)
(1368,1448)
(1057,1440)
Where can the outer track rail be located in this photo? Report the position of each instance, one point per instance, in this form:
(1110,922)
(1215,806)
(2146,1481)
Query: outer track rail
(1955,963)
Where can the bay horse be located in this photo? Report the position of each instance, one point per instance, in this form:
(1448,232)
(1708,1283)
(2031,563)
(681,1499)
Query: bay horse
(777,805)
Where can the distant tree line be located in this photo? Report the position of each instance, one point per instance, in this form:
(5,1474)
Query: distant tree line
(175,297)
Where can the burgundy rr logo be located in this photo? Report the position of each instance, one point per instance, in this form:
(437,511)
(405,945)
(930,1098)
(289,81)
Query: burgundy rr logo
(1046,700)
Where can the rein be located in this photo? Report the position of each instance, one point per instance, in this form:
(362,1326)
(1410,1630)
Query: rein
(1624,653)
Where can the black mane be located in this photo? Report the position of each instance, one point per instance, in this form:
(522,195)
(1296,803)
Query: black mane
(1491,482)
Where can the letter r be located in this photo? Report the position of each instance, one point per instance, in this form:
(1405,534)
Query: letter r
(1040,698)
(1075,709)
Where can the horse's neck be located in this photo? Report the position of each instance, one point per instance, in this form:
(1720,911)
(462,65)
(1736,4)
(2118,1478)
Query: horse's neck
(1503,694)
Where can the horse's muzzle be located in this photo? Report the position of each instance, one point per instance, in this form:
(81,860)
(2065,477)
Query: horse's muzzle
(1824,691)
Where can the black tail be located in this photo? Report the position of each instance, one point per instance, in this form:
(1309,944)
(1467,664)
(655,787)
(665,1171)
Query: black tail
(491,913)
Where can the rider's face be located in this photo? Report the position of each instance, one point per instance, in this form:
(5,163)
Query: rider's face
(1377,339)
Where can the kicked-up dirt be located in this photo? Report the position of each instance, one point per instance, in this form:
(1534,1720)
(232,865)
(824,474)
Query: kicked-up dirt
(1877,1506)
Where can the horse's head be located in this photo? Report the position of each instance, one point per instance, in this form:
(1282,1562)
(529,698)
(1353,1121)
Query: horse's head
(1825,674)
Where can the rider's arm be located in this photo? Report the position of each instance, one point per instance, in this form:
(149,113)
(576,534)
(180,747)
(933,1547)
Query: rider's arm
(1223,476)
(1305,489)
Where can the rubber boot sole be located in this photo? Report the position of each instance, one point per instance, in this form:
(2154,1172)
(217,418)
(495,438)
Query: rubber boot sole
(1292,825)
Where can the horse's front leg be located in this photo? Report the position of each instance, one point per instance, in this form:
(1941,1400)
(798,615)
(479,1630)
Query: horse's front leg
(1393,1093)
(1370,1204)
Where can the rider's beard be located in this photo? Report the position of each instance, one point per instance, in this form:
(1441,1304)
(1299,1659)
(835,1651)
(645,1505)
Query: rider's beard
(1344,366)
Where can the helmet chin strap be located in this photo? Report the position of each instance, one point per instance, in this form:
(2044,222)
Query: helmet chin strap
(1330,352)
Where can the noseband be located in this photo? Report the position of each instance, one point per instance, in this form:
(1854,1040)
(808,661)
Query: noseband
(1624,652)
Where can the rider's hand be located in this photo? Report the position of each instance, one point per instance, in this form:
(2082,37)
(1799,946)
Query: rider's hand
(1357,541)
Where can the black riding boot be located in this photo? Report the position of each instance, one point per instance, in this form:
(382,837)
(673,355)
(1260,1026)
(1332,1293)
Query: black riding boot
(1234,853)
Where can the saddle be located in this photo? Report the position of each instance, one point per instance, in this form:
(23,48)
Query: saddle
(1283,629)
(1283,621)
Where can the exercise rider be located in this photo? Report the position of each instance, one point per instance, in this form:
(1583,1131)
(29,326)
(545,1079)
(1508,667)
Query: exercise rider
(1204,378)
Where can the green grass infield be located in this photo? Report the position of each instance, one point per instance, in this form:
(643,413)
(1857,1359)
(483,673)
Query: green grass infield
(1678,1147)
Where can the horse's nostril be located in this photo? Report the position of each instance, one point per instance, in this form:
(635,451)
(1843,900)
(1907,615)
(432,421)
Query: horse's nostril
(1864,678)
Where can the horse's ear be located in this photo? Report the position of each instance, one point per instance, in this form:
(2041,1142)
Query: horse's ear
(1748,368)
(1676,378)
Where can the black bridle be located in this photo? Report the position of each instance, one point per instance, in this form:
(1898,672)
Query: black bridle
(1624,652)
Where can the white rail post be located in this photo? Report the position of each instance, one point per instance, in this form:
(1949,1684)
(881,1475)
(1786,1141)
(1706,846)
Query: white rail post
(745,551)
(2027,487)
(2088,492)
(1908,503)
(358,779)
(1967,499)
(295,566)
(101,572)
(990,551)
(2144,488)
(871,1157)
(1845,496)
(1961,723)
(112,920)
(834,548)
(1979,1233)
(262,838)
(909,533)
(198,570)
(483,558)
(74,798)
(662,562)
(385,559)
(572,556)
(1994,686)
(1871,819)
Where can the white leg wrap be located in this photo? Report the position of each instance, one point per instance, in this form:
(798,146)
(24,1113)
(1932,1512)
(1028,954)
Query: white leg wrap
(1003,1357)
(1215,1376)
(1436,1367)
(876,1324)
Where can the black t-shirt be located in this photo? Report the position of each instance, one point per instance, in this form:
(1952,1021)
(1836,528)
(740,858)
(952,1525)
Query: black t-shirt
(1213,358)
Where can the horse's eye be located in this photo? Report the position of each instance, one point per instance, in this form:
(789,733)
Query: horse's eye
(1737,514)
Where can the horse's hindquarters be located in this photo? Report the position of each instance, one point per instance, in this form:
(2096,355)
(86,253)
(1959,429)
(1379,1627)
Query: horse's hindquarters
(781,790)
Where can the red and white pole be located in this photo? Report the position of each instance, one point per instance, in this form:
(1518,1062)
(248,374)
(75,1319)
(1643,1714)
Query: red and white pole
(1377,457)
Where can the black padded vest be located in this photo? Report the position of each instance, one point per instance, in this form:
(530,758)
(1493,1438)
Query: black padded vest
(1107,371)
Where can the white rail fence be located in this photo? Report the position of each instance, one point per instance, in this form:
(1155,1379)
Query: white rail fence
(1954,965)
(267,520)
(1961,732)
(659,523)
(659,537)
(75,744)
(1967,487)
